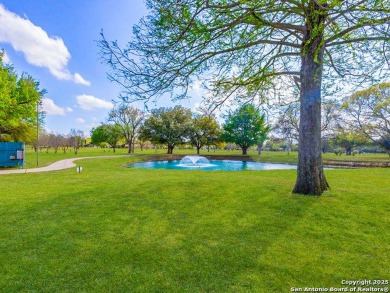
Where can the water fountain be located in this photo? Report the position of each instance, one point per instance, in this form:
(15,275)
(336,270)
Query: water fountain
(202,163)
(194,162)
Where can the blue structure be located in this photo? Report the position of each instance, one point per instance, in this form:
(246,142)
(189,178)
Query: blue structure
(12,154)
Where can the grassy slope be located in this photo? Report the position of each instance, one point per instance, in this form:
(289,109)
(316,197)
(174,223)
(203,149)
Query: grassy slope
(116,229)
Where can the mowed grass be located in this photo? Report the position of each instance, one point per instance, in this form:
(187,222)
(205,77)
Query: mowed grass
(116,229)
(46,158)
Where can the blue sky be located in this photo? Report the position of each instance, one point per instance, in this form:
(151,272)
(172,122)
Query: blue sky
(55,42)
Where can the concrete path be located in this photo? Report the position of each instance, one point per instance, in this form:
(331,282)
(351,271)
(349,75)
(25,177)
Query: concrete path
(59,165)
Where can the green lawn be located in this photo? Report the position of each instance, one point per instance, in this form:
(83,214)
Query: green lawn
(116,229)
(45,159)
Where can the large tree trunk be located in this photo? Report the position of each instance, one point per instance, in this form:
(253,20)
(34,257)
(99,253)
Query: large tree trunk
(259,147)
(244,150)
(311,178)
(130,141)
(170,149)
(129,148)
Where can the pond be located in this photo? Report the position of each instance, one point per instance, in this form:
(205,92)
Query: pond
(212,165)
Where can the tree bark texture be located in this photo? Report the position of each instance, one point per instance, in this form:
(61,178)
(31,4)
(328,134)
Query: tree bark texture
(311,178)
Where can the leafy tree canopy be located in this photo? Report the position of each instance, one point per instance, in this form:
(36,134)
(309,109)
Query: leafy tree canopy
(129,120)
(245,127)
(19,99)
(106,133)
(240,44)
(167,126)
(369,111)
(204,130)
(348,138)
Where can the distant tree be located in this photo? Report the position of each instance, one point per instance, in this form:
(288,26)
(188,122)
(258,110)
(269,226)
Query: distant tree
(129,119)
(245,127)
(55,141)
(276,143)
(19,99)
(98,135)
(169,126)
(348,139)
(204,130)
(260,142)
(238,46)
(64,142)
(107,133)
(369,111)
(142,139)
(114,135)
(287,123)
(44,140)
(76,139)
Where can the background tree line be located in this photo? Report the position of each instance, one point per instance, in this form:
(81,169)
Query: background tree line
(359,121)
(178,125)
(74,140)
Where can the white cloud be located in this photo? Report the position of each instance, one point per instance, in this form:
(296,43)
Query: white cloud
(69,109)
(80,120)
(79,79)
(38,48)
(88,102)
(51,108)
